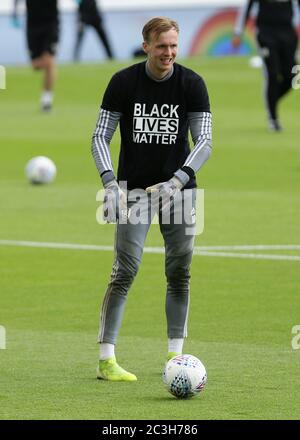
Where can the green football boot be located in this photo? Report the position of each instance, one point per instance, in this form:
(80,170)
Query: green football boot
(172,354)
(108,369)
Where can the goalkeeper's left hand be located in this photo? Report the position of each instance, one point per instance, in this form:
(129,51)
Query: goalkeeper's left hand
(166,192)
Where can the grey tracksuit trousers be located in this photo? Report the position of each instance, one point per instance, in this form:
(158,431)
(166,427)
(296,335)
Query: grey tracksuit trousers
(129,243)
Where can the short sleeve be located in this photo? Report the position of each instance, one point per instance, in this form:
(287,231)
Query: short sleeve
(198,99)
(113,98)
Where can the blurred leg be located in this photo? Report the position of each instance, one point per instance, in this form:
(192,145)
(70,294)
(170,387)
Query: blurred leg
(79,39)
(102,36)
(46,62)
(287,61)
(270,57)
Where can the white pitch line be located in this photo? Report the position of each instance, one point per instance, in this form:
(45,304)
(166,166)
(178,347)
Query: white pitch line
(207,251)
(252,247)
(250,256)
(41,244)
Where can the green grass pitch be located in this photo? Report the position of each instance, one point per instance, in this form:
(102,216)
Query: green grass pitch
(242,309)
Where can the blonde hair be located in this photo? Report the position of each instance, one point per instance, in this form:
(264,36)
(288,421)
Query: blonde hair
(157,25)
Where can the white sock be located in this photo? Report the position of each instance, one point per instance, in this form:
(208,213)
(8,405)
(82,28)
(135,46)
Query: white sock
(175,345)
(106,351)
(47,97)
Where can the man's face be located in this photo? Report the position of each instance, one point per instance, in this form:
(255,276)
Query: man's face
(161,51)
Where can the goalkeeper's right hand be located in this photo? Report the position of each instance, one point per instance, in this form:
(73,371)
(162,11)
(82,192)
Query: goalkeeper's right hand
(115,203)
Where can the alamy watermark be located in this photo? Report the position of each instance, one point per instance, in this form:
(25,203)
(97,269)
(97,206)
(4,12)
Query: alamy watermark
(139,207)
(296,339)
(2,338)
(2,77)
(296,79)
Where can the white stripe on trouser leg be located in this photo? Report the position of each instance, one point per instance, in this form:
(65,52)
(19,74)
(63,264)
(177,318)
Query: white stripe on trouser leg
(187,316)
(103,314)
(107,297)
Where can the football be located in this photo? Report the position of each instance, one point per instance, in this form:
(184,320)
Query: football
(184,376)
(40,170)
(256,62)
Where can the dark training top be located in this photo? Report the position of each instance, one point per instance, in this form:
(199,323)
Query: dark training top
(41,11)
(154,121)
(271,13)
(89,11)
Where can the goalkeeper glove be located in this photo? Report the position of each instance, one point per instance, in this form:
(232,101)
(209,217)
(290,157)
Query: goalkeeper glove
(166,192)
(115,203)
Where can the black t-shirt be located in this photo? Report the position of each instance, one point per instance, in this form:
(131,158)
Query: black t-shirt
(41,11)
(274,13)
(89,11)
(154,122)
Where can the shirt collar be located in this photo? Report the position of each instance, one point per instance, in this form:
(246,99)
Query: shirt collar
(165,78)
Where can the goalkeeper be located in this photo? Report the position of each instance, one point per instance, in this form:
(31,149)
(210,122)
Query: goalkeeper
(155,102)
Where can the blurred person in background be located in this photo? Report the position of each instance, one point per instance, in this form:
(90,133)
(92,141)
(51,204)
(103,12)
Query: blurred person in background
(277,41)
(42,32)
(90,15)
(156,102)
